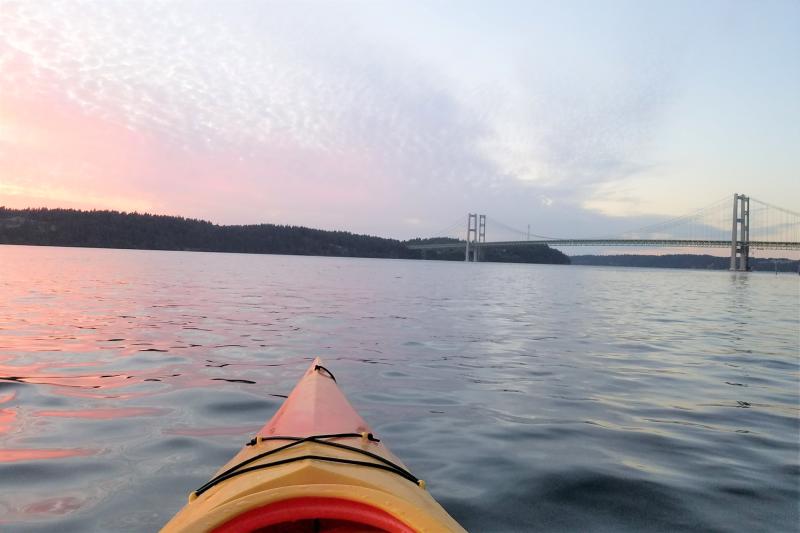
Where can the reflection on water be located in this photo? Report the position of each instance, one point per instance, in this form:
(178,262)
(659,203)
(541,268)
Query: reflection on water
(529,397)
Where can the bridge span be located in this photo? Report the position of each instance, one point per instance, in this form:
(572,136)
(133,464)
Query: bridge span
(780,231)
(668,243)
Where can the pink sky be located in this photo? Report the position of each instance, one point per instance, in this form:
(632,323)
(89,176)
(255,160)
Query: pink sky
(64,156)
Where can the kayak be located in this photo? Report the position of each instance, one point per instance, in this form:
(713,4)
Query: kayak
(315,466)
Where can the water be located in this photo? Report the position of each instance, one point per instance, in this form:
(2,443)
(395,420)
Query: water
(543,398)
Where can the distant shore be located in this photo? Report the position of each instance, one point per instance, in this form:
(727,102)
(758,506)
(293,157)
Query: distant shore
(121,230)
(687,261)
(114,229)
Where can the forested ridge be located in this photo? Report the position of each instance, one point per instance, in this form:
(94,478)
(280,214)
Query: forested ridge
(115,229)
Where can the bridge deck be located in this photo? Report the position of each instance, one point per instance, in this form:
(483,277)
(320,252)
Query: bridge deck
(672,243)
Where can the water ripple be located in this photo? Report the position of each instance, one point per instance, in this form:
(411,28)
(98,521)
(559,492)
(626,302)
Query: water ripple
(529,397)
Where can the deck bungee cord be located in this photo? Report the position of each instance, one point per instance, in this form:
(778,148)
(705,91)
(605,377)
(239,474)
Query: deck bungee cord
(317,439)
(320,369)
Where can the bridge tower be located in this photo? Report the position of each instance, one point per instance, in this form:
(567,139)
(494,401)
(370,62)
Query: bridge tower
(481,236)
(740,233)
(476,234)
(472,233)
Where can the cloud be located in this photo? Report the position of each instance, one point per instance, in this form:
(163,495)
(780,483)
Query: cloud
(575,130)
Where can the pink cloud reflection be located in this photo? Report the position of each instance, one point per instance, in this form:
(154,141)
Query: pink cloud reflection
(103,414)
(10,455)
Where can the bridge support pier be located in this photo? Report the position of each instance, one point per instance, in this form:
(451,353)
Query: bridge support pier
(740,234)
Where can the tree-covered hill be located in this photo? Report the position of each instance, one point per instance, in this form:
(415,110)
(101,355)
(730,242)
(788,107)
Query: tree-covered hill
(113,229)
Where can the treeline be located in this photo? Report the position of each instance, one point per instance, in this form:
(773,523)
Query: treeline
(114,229)
(710,262)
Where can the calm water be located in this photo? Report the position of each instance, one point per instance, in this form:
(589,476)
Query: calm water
(529,397)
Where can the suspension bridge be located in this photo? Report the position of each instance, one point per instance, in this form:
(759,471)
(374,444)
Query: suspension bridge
(742,225)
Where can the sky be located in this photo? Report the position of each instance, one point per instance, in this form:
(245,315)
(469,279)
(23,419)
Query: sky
(399,118)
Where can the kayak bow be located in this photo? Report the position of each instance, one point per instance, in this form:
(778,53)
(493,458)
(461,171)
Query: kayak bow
(315,466)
